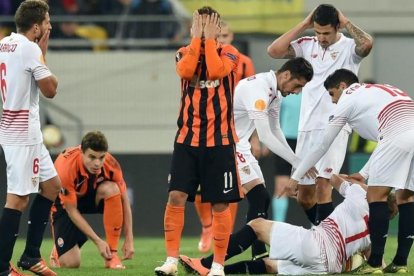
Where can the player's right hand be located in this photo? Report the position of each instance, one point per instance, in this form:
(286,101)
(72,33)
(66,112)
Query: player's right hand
(104,249)
(197,27)
(308,21)
(44,42)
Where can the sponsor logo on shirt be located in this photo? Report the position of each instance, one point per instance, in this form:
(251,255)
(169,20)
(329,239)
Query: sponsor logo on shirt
(328,170)
(246,170)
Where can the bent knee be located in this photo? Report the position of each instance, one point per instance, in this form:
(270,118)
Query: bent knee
(69,263)
(177,198)
(108,188)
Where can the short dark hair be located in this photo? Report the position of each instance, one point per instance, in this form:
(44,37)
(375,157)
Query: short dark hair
(340,75)
(94,140)
(298,68)
(30,12)
(208,10)
(326,14)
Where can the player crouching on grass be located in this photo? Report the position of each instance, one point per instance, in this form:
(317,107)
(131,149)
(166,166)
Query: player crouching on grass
(92,183)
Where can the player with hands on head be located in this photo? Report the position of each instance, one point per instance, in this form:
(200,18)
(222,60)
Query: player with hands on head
(23,73)
(92,183)
(204,148)
(327,50)
(383,113)
(256,107)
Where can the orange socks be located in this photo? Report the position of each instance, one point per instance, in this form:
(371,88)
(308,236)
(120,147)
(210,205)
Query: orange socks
(173,227)
(233,211)
(204,211)
(113,216)
(221,232)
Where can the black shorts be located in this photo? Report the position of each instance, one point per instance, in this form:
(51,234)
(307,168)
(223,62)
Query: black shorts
(213,168)
(65,233)
(282,167)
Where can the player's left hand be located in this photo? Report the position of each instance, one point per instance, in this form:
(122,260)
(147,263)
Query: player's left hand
(128,250)
(212,26)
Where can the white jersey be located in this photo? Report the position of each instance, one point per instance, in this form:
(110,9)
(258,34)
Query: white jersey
(345,231)
(316,102)
(377,112)
(255,97)
(21,65)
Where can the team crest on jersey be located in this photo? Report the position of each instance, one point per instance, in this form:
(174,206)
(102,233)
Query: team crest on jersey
(334,55)
(60,242)
(314,55)
(246,170)
(100,179)
(35,181)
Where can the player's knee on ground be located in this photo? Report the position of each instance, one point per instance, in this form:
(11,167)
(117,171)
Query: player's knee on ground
(69,260)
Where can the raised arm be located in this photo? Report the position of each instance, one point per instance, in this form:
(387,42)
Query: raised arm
(281,48)
(363,40)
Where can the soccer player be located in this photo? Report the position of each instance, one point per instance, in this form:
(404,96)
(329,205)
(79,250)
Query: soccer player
(204,148)
(23,72)
(382,113)
(256,107)
(327,51)
(245,68)
(92,183)
(322,249)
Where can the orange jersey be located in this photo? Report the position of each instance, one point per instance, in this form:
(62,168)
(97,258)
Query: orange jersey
(207,86)
(245,68)
(76,181)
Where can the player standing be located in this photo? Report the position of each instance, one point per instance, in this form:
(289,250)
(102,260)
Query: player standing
(30,169)
(204,148)
(327,51)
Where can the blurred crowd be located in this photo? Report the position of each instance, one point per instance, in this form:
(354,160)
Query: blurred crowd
(131,19)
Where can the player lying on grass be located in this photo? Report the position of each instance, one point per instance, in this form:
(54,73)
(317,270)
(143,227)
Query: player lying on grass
(92,183)
(322,249)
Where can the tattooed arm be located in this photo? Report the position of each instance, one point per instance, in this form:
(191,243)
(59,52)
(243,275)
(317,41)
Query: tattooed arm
(362,39)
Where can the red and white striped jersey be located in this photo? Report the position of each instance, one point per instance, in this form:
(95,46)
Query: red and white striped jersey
(345,231)
(377,112)
(21,65)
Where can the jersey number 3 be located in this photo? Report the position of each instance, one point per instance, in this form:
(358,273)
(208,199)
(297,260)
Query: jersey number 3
(3,86)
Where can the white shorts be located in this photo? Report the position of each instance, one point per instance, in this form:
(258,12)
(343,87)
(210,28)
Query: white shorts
(27,166)
(248,167)
(296,250)
(392,163)
(333,159)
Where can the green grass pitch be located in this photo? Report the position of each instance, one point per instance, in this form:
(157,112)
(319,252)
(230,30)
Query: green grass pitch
(149,253)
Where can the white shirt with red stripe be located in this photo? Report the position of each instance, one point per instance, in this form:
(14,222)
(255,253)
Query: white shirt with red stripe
(21,65)
(316,102)
(377,112)
(345,231)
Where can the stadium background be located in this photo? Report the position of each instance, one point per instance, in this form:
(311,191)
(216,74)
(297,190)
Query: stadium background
(131,92)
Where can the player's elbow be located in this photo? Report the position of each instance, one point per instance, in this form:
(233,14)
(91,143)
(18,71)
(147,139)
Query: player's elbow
(274,51)
(48,86)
